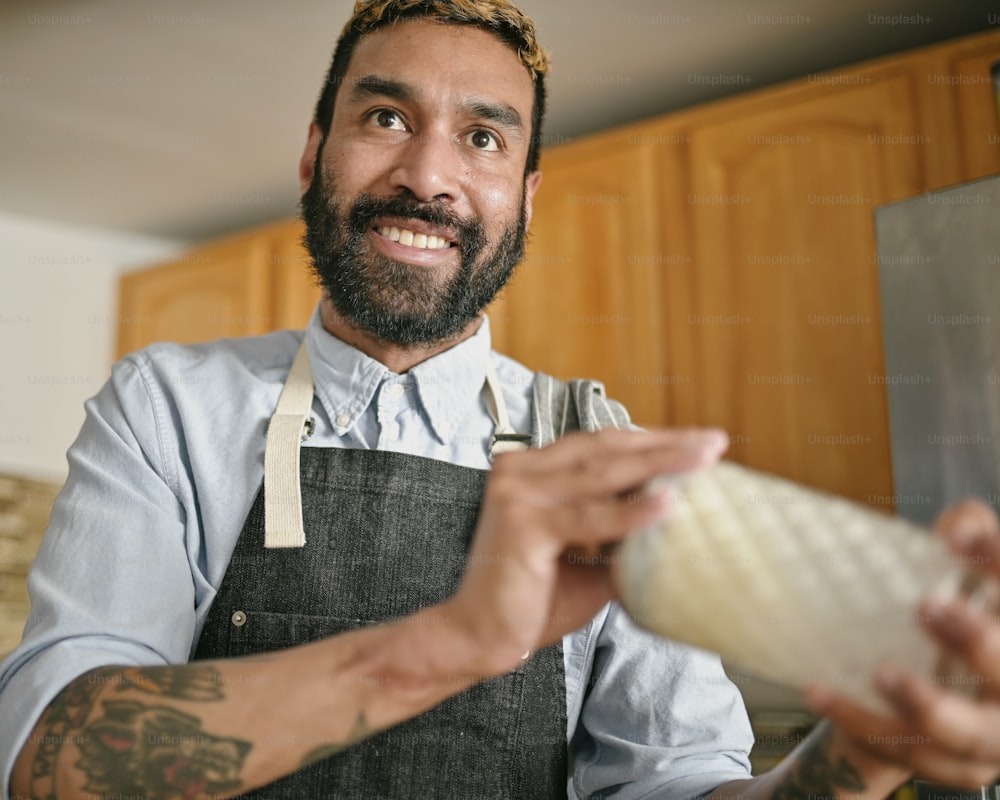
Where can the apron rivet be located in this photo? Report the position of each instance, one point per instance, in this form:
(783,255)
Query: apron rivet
(239,619)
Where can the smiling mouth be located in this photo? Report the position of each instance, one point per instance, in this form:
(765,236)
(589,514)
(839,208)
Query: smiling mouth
(420,241)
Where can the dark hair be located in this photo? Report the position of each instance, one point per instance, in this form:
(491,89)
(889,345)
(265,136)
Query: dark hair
(500,17)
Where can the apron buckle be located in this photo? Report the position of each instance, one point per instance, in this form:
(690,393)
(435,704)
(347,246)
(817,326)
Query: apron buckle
(508,443)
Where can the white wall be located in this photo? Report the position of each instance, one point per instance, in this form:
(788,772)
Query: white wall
(58,311)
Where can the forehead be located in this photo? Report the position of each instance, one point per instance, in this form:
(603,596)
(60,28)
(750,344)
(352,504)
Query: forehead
(440,59)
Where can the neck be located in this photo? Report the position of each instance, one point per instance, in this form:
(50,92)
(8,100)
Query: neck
(398,358)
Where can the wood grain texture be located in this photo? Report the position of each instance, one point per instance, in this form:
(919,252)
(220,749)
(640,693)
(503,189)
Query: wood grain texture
(25,506)
(716,265)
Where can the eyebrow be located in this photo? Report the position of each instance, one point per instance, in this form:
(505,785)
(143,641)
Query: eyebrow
(375,86)
(499,113)
(370,86)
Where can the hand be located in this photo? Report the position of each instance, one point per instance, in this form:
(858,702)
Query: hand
(933,730)
(535,570)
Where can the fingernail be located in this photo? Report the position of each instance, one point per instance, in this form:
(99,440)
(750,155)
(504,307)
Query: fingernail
(708,447)
(718,438)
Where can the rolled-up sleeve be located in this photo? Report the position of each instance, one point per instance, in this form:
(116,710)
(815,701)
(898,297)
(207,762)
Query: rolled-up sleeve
(111,583)
(659,719)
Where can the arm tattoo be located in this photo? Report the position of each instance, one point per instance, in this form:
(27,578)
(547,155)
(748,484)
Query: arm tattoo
(359,732)
(120,743)
(816,777)
(66,714)
(193,682)
(157,752)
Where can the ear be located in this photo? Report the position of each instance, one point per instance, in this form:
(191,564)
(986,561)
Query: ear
(531,184)
(307,164)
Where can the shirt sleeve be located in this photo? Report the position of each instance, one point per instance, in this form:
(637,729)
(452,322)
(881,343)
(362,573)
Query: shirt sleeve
(111,583)
(659,719)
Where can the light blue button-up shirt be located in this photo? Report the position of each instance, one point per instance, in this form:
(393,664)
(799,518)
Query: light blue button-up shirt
(161,479)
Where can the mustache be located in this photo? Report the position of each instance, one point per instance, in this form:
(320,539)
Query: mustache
(367,208)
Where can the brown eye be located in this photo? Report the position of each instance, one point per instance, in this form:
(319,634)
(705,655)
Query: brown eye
(386,118)
(483,140)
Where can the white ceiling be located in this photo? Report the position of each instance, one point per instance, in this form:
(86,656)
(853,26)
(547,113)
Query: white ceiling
(185,118)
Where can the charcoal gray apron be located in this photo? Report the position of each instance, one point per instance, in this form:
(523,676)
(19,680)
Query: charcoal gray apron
(389,534)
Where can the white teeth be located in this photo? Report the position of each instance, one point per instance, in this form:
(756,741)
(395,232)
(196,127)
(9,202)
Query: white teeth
(411,239)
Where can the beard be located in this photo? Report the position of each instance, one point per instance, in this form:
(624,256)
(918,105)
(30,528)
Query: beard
(397,302)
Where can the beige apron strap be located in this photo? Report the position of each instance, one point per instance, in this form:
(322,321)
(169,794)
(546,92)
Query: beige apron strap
(289,426)
(505,439)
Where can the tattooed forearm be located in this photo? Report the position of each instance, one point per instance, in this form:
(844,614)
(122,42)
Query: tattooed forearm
(359,732)
(157,752)
(817,776)
(67,715)
(191,682)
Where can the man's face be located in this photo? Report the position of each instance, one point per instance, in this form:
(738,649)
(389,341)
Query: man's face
(417,205)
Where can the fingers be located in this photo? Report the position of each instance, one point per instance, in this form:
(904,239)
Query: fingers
(580,447)
(611,520)
(938,733)
(942,734)
(532,574)
(584,490)
(878,734)
(584,526)
(964,631)
(955,725)
(953,745)
(605,464)
(970,635)
(972,530)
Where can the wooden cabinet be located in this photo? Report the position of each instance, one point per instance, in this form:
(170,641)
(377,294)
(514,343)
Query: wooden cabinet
(755,307)
(781,322)
(584,301)
(244,285)
(714,266)
(772,195)
(960,104)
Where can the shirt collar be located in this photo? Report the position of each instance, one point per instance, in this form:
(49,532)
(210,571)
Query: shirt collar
(449,385)
(346,380)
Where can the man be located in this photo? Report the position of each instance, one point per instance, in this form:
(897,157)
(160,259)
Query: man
(496,667)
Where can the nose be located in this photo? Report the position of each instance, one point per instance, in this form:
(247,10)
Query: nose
(429,166)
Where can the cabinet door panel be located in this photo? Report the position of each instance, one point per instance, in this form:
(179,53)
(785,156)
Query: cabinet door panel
(785,318)
(978,113)
(221,290)
(583,303)
(959,108)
